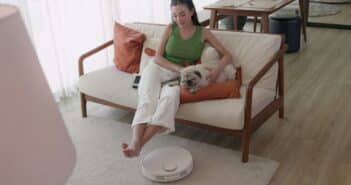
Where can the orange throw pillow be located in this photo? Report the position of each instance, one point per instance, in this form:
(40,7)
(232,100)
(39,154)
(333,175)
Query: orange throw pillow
(128,45)
(228,89)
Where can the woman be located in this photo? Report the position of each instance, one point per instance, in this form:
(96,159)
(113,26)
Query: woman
(181,44)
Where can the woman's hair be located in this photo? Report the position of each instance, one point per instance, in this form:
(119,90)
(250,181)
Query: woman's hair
(190,5)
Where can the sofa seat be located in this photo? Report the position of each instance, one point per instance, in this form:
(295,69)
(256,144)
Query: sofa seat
(115,86)
(110,84)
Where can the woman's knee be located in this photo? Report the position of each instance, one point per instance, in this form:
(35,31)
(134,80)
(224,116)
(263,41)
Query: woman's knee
(156,127)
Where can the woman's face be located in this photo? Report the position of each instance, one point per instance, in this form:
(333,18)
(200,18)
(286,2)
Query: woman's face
(181,15)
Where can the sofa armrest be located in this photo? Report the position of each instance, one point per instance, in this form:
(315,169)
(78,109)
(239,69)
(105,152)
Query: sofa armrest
(277,57)
(268,66)
(89,53)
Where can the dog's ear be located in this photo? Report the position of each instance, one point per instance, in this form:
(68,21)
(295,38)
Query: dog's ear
(198,73)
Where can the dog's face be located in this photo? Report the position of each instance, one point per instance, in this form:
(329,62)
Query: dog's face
(190,78)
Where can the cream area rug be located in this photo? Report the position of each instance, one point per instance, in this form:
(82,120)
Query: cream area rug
(332,1)
(320,9)
(100,162)
(316,9)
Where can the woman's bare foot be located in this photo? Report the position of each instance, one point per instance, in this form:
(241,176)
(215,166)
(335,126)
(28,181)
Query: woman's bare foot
(131,151)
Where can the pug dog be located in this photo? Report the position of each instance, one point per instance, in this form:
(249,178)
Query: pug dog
(195,77)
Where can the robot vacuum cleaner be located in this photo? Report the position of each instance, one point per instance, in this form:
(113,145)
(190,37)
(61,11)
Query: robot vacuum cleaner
(167,164)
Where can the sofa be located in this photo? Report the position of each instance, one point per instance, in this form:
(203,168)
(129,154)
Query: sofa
(261,59)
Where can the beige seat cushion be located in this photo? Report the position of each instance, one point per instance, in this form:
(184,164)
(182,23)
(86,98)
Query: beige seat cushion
(116,86)
(225,113)
(110,84)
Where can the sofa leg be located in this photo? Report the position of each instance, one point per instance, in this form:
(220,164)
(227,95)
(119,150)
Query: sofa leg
(281,112)
(83,104)
(245,146)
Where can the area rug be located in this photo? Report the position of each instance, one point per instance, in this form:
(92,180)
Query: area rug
(318,9)
(100,161)
(332,1)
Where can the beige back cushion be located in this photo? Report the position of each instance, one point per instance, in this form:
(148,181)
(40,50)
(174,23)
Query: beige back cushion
(250,50)
(153,34)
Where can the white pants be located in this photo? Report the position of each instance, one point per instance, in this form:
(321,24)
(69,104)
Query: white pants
(157,105)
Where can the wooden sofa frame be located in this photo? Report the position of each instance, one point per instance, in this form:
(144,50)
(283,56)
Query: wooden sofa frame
(250,124)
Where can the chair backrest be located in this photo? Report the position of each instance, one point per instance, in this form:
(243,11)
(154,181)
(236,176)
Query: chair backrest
(250,50)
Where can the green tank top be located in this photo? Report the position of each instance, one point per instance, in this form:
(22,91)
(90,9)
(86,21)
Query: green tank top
(180,51)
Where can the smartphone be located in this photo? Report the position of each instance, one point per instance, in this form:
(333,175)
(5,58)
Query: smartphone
(136,81)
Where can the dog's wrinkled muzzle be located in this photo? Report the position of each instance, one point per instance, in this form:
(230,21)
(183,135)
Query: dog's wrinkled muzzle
(189,83)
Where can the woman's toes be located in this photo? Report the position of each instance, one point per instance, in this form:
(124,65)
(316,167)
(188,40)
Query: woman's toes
(132,150)
(125,149)
(124,145)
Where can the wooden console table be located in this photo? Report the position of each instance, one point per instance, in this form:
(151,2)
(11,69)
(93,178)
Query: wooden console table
(256,8)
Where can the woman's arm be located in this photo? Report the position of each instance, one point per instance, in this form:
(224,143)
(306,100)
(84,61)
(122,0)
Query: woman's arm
(160,60)
(226,56)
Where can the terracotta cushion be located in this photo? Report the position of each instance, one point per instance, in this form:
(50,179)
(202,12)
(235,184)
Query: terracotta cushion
(128,44)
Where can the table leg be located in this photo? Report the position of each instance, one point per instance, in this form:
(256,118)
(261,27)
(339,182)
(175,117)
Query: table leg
(265,23)
(303,18)
(235,22)
(213,19)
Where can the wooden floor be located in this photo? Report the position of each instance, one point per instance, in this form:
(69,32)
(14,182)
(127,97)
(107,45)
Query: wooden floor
(313,142)
(313,145)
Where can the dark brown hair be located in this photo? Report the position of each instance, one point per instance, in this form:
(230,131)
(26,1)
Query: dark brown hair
(190,5)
